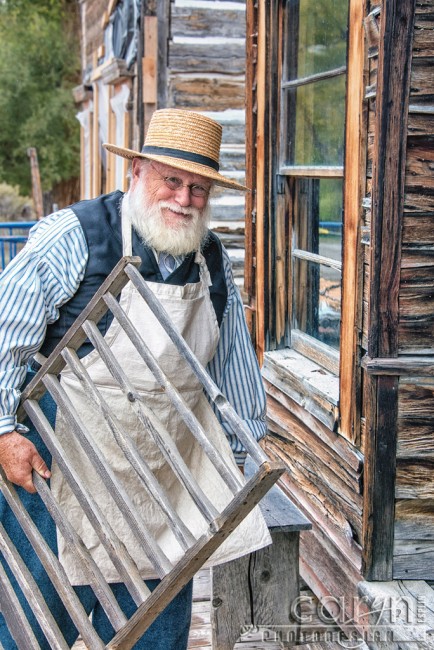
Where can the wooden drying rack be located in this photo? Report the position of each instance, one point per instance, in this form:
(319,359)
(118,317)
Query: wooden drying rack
(196,551)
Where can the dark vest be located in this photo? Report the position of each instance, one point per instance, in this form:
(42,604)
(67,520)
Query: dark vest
(101,223)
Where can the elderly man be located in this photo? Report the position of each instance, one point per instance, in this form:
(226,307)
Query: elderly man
(43,290)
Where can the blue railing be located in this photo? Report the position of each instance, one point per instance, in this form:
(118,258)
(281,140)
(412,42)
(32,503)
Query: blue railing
(13,236)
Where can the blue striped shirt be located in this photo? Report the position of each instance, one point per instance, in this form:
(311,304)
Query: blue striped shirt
(48,272)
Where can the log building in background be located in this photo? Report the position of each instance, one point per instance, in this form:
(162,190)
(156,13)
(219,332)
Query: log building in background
(140,55)
(340,124)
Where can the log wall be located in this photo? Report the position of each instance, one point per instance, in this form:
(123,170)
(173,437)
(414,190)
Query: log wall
(412,551)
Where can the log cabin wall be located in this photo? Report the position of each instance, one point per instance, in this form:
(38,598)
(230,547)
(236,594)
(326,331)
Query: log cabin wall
(365,479)
(399,543)
(189,54)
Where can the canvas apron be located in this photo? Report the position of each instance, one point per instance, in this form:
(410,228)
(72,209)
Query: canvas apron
(192,312)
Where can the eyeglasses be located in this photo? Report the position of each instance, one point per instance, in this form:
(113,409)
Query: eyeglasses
(175,183)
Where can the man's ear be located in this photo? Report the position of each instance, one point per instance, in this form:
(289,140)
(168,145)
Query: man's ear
(136,168)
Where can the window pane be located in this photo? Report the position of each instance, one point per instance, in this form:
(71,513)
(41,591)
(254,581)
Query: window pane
(317,229)
(317,302)
(315,115)
(330,218)
(316,37)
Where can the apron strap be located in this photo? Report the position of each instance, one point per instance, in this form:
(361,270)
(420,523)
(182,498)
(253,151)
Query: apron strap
(204,274)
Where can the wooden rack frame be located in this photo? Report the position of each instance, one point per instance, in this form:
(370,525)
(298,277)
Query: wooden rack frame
(196,551)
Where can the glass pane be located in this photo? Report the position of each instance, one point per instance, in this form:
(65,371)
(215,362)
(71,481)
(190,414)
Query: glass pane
(315,115)
(316,37)
(317,302)
(318,229)
(330,218)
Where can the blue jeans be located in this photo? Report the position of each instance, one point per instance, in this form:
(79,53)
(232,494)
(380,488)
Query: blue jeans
(168,632)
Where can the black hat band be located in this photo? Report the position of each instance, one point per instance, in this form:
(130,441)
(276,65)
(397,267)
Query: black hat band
(184,155)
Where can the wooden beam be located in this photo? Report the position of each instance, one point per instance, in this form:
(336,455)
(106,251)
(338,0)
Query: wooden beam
(404,365)
(393,87)
(260,189)
(96,152)
(251,128)
(349,371)
(163,16)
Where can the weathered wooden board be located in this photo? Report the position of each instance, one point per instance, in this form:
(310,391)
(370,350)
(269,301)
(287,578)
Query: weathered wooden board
(423,43)
(305,382)
(416,303)
(416,397)
(414,519)
(344,451)
(194,21)
(418,228)
(420,162)
(416,437)
(318,501)
(328,574)
(416,337)
(414,479)
(199,92)
(417,202)
(413,559)
(420,124)
(404,609)
(224,57)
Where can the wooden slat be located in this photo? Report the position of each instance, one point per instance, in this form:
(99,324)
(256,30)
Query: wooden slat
(404,365)
(202,92)
(233,481)
(232,515)
(93,574)
(198,21)
(250,136)
(151,485)
(13,613)
(226,58)
(225,409)
(76,336)
(115,550)
(159,434)
(52,566)
(138,527)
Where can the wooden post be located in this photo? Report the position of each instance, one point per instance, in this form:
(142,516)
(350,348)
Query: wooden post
(149,67)
(36,182)
(251,126)
(349,371)
(393,87)
(260,189)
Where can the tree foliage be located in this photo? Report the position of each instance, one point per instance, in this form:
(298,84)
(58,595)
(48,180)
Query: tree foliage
(39,65)
(13,206)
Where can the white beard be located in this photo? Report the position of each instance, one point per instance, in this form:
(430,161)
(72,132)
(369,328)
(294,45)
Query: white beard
(148,222)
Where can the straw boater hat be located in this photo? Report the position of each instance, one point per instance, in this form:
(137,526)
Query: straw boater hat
(184,140)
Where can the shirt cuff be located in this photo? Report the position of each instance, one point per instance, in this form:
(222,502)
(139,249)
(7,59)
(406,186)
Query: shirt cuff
(7,424)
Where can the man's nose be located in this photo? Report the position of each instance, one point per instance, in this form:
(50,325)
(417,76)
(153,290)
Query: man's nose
(183,195)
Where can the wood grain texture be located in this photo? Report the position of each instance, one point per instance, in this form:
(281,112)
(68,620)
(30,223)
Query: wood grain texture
(388,179)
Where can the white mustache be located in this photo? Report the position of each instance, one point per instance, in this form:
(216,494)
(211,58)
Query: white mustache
(178,209)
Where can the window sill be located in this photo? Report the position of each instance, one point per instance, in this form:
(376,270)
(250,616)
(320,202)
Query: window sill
(307,383)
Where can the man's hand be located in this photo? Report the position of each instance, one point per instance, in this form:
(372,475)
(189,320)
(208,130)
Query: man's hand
(18,457)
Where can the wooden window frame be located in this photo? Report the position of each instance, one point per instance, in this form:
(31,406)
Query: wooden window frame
(273,275)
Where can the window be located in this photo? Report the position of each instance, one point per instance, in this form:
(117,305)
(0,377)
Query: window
(312,157)
(314,207)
